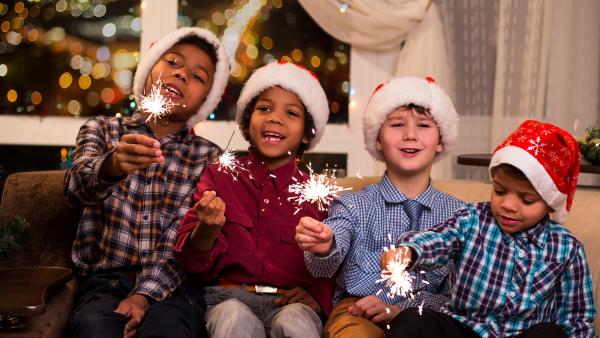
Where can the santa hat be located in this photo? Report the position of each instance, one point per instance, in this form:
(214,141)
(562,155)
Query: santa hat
(549,157)
(387,97)
(297,79)
(157,49)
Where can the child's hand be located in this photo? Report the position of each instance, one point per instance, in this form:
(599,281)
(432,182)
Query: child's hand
(298,295)
(210,210)
(399,254)
(314,236)
(133,152)
(374,309)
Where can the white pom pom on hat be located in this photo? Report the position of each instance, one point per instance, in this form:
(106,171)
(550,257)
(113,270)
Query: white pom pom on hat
(295,78)
(423,92)
(157,49)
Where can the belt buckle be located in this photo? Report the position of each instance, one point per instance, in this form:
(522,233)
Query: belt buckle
(265,289)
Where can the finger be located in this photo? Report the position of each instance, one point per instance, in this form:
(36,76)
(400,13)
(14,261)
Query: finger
(141,139)
(130,334)
(204,201)
(135,159)
(124,309)
(307,239)
(138,149)
(311,224)
(381,317)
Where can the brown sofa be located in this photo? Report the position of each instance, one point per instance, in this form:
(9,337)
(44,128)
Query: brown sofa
(37,196)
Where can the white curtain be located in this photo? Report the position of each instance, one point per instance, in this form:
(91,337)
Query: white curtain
(412,28)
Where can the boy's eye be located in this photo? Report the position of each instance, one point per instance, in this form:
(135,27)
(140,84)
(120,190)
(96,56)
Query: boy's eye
(424,125)
(498,191)
(263,108)
(397,124)
(172,62)
(198,78)
(293,113)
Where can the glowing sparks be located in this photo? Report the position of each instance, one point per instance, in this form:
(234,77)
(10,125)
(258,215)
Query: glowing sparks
(420,308)
(318,189)
(229,164)
(395,277)
(156,104)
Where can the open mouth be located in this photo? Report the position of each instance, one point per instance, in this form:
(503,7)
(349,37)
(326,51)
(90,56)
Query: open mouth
(172,91)
(410,150)
(272,137)
(509,221)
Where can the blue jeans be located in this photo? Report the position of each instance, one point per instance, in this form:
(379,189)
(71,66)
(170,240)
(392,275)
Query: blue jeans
(239,313)
(181,315)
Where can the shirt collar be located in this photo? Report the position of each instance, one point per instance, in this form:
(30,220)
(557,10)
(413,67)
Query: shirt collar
(391,194)
(535,235)
(281,177)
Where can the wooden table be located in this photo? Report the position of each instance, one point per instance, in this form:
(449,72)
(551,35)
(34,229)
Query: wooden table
(483,160)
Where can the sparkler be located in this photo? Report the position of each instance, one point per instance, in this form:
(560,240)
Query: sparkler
(318,189)
(395,277)
(228,162)
(156,104)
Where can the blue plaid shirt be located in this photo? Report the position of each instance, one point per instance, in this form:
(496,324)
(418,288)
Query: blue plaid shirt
(361,223)
(504,284)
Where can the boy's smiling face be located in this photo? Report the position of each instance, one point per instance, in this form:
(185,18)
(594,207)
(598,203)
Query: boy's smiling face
(516,205)
(187,74)
(276,127)
(409,141)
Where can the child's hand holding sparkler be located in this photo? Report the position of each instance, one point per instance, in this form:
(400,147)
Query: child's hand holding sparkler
(134,152)
(210,210)
(400,254)
(314,236)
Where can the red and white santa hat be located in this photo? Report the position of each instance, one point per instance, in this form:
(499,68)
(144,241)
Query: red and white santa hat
(389,96)
(549,157)
(295,78)
(158,48)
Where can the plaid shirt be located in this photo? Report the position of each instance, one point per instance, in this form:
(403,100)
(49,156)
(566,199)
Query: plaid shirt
(362,223)
(132,222)
(504,284)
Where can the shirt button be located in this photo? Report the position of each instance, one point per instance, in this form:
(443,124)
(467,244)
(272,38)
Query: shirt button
(512,294)
(521,254)
(145,217)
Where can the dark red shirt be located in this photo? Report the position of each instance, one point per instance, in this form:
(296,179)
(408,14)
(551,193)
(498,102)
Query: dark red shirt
(256,245)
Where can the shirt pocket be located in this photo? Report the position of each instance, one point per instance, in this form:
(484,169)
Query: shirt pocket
(544,281)
(288,234)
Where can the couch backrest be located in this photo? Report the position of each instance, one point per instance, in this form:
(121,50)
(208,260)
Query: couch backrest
(583,220)
(37,196)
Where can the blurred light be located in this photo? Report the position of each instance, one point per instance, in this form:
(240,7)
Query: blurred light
(286,58)
(132,104)
(74,107)
(24,13)
(3,47)
(59,106)
(76,12)
(335,107)
(34,11)
(85,82)
(65,80)
(218,18)
(107,107)
(3,9)
(212,116)
(315,61)
(86,69)
(342,58)
(103,54)
(277,3)
(55,34)
(236,70)
(352,104)
(49,13)
(19,6)
(109,29)
(229,13)
(30,108)
(92,99)
(343,7)
(3,70)
(11,96)
(249,39)
(252,52)
(267,42)
(99,10)
(345,86)
(123,59)
(184,21)
(117,114)
(20,109)
(61,6)
(63,154)
(123,78)
(290,17)
(75,47)
(107,95)
(268,58)
(330,64)
(5,26)
(59,46)
(32,35)
(297,55)
(13,38)
(76,61)
(352,91)
(36,97)
(17,23)
(100,70)
(136,24)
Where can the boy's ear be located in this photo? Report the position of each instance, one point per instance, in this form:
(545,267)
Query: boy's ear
(378,143)
(305,140)
(440,148)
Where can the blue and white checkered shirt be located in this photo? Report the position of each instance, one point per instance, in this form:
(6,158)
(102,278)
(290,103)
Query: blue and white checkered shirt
(361,223)
(504,284)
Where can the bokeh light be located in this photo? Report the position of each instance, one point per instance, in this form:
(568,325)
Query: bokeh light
(74,107)
(3,70)
(85,82)
(65,80)
(36,97)
(11,96)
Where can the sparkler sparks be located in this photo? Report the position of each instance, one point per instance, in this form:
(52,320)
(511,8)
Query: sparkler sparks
(229,163)
(318,189)
(156,104)
(395,277)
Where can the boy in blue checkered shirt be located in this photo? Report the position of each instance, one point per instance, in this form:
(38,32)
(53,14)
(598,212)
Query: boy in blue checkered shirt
(409,123)
(518,272)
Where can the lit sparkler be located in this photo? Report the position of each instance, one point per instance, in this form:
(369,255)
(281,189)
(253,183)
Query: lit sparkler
(228,161)
(318,189)
(395,277)
(156,104)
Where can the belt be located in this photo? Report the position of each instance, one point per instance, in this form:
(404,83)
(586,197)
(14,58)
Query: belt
(250,287)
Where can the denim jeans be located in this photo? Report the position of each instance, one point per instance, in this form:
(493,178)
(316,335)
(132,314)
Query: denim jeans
(181,315)
(239,313)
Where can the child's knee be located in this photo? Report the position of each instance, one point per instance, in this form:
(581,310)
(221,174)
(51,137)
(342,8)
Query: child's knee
(297,317)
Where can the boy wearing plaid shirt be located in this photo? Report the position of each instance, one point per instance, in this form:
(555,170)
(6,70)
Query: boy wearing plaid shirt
(518,272)
(409,123)
(135,177)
